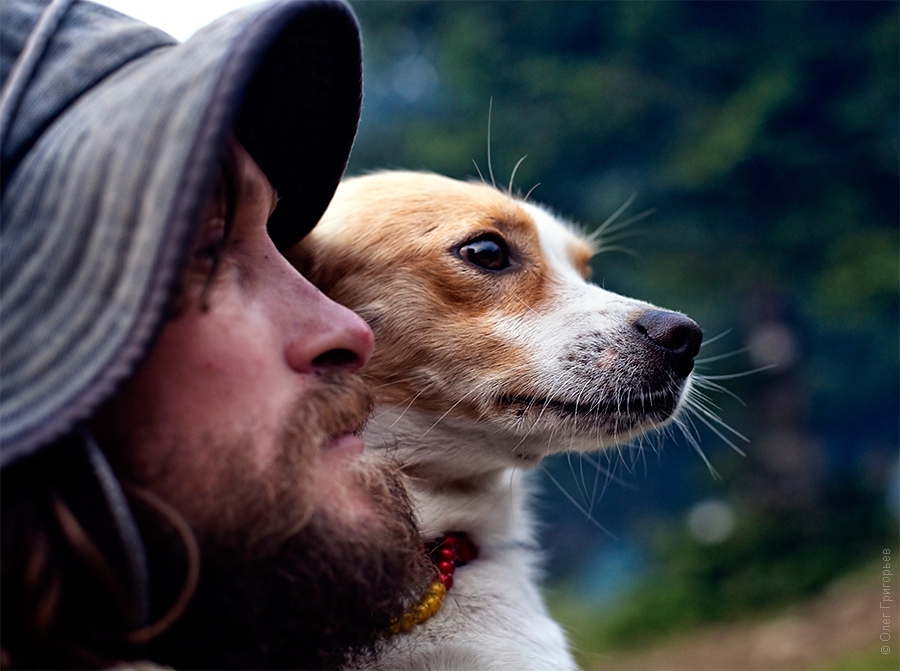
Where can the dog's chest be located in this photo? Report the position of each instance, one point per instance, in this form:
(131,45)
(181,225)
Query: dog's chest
(492,619)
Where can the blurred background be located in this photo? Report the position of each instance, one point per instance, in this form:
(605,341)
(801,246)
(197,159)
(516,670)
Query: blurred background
(756,145)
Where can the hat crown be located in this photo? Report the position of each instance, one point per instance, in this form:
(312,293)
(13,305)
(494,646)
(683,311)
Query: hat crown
(90,43)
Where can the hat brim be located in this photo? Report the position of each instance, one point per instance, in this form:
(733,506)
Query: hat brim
(100,211)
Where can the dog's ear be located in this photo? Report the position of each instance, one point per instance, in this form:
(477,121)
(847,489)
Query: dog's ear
(331,268)
(306,257)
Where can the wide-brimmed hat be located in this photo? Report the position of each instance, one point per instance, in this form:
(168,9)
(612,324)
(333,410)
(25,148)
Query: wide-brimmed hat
(112,136)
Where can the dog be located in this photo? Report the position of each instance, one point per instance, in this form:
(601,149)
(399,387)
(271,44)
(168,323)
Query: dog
(493,350)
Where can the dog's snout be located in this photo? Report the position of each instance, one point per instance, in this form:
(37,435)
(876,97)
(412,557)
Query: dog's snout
(678,335)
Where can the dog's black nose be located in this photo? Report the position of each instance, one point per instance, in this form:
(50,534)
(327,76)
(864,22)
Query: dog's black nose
(679,336)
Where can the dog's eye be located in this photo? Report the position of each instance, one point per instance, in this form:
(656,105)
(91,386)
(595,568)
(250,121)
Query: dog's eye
(489,252)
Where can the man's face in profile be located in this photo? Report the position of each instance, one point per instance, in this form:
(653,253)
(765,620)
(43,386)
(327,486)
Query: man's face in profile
(243,418)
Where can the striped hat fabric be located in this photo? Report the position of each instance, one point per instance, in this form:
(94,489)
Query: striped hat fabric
(112,135)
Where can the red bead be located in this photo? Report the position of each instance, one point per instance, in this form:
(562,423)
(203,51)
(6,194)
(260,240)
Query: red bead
(465,553)
(450,551)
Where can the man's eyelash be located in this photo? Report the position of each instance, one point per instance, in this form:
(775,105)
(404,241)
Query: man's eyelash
(212,240)
(209,254)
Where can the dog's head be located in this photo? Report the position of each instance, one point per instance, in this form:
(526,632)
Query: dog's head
(483,313)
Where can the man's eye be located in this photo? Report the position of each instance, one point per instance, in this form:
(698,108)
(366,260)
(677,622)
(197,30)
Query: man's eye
(212,241)
(488,252)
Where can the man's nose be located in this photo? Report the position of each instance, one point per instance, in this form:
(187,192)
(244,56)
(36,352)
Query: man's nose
(356,351)
(328,336)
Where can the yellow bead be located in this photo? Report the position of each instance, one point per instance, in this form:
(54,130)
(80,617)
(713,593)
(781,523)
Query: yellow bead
(429,605)
(438,589)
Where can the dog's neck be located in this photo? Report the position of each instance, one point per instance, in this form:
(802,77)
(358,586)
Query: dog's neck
(444,449)
(461,476)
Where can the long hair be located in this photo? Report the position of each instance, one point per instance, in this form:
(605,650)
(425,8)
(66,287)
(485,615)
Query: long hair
(66,598)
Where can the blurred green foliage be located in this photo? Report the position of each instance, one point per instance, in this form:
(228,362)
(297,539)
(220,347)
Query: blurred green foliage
(773,559)
(874,660)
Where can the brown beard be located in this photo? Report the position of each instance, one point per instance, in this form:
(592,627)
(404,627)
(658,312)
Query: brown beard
(284,583)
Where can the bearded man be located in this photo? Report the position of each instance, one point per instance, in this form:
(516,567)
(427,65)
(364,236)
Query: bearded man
(181,477)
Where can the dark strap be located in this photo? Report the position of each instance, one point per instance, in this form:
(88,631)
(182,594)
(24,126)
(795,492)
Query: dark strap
(125,527)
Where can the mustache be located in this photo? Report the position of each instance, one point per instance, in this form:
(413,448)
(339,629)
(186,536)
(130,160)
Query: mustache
(335,403)
(339,402)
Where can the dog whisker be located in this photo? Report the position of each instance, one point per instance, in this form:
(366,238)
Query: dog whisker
(596,484)
(611,226)
(720,357)
(605,226)
(708,341)
(581,489)
(512,177)
(695,396)
(640,216)
(409,401)
(689,435)
(484,383)
(490,167)
(530,191)
(712,418)
(527,305)
(578,506)
(479,172)
(703,382)
(605,240)
(711,427)
(698,406)
(617,249)
(550,395)
(733,376)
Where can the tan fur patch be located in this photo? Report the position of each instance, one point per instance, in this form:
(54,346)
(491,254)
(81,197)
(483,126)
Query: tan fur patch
(392,239)
(580,254)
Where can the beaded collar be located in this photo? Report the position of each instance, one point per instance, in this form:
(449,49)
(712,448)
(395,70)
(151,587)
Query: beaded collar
(451,550)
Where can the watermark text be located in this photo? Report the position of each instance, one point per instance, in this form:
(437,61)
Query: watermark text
(886,605)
